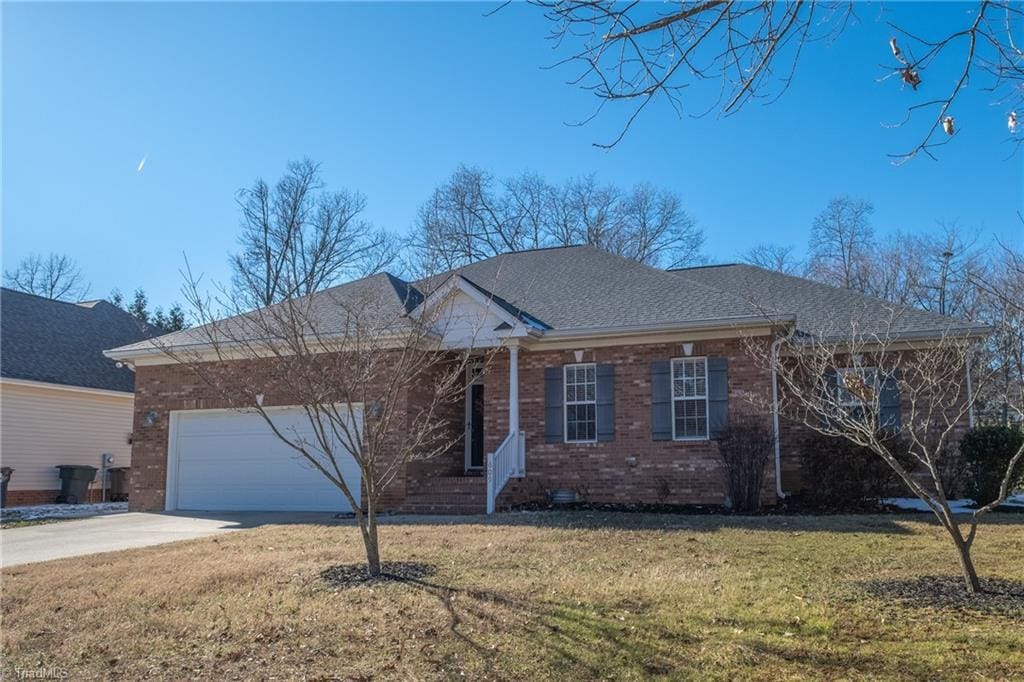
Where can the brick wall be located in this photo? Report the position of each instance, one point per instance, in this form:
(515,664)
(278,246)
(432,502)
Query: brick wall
(632,468)
(793,434)
(23,498)
(161,389)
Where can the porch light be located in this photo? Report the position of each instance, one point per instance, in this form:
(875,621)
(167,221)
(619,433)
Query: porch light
(150,419)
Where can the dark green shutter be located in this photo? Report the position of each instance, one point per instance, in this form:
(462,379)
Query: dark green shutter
(605,402)
(890,414)
(718,395)
(553,404)
(661,400)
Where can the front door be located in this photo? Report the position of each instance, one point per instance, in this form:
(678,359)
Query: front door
(474,420)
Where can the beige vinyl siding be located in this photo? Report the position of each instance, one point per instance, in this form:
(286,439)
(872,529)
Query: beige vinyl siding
(42,426)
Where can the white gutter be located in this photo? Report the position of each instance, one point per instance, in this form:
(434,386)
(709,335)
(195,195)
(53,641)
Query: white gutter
(722,323)
(775,418)
(153,349)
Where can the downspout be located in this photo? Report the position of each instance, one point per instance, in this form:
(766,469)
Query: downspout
(775,417)
(970,393)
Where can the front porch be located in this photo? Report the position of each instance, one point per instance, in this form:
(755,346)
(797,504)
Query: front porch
(490,448)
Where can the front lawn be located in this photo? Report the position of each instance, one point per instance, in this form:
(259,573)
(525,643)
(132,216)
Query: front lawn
(529,596)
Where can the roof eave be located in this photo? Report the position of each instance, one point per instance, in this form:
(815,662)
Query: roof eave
(959,332)
(728,323)
(128,354)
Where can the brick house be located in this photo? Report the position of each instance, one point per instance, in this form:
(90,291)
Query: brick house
(611,381)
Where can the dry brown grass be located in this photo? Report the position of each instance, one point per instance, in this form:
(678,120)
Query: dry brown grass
(528,596)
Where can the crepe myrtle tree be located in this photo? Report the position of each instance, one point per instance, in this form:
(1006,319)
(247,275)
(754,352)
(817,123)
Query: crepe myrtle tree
(866,387)
(371,377)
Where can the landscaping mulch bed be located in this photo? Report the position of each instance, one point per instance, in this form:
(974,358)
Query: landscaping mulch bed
(345,576)
(998,597)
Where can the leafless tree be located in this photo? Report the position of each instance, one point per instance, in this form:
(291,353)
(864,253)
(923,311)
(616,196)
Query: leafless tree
(774,257)
(838,384)
(708,55)
(54,276)
(840,247)
(1002,289)
(368,371)
(472,216)
(298,238)
(931,270)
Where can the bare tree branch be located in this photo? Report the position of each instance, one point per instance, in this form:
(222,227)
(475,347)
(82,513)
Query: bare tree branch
(55,276)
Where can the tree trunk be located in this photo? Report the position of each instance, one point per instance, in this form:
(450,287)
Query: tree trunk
(370,541)
(966,563)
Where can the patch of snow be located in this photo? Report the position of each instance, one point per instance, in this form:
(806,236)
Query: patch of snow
(62,511)
(916,504)
(965,506)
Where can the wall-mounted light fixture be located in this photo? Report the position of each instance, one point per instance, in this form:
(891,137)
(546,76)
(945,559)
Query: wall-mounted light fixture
(150,418)
(687,349)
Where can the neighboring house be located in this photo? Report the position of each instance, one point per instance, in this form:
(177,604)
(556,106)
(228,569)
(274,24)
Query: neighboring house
(61,400)
(612,379)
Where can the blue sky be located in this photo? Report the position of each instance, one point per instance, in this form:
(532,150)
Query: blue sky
(392,97)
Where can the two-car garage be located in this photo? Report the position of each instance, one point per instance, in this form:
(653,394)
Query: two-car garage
(226,460)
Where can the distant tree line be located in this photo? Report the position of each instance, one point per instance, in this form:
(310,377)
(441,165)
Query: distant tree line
(59,277)
(473,215)
(945,270)
(173,320)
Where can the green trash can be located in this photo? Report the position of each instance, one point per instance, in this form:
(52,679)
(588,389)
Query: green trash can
(74,483)
(5,478)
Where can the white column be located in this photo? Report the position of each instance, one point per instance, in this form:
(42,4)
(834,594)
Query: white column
(513,388)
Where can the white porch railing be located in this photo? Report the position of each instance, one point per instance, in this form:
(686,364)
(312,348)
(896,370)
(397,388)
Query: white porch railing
(508,461)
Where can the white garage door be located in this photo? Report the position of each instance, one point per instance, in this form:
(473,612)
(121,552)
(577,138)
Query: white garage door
(223,460)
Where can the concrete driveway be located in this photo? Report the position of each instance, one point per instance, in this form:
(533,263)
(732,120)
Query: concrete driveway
(125,531)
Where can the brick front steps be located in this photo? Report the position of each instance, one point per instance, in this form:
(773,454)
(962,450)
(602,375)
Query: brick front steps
(447,495)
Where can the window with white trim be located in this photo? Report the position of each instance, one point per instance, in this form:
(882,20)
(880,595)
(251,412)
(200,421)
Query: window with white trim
(690,399)
(857,388)
(580,386)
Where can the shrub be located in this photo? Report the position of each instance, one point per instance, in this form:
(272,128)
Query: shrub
(745,448)
(838,473)
(986,451)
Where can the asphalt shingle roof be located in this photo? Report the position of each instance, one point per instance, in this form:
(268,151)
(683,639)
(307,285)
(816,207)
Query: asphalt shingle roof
(821,310)
(385,297)
(585,288)
(62,343)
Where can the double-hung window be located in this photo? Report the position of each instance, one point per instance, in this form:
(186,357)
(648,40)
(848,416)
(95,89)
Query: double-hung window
(857,388)
(580,381)
(690,399)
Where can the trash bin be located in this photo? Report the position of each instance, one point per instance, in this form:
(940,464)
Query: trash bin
(74,483)
(118,483)
(6,473)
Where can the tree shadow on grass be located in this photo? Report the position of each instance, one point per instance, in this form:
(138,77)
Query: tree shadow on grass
(597,641)
(585,640)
